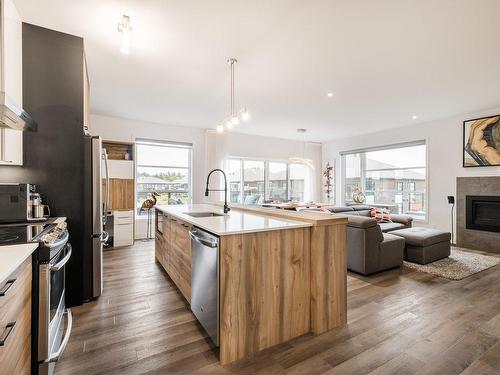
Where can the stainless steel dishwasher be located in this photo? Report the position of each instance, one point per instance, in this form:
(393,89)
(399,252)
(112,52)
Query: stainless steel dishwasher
(205,280)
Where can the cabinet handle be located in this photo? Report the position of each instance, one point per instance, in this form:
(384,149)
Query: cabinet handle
(185,225)
(6,332)
(6,287)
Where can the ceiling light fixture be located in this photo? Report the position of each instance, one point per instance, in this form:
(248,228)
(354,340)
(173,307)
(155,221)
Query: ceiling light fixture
(414,117)
(302,159)
(234,116)
(125,28)
(330,94)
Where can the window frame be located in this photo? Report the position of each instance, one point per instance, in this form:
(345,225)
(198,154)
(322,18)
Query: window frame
(169,144)
(363,170)
(266,175)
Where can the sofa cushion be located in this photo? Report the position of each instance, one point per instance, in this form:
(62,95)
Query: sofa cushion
(366,213)
(346,210)
(360,207)
(389,227)
(422,237)
(403,219)
(361,222)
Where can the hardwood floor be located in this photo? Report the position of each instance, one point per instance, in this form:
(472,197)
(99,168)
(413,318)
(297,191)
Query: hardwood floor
(399,322)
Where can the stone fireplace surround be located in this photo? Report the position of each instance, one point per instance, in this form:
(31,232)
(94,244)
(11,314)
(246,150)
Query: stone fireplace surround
(470,238)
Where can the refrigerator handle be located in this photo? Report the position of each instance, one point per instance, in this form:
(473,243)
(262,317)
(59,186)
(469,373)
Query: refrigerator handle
(106,198)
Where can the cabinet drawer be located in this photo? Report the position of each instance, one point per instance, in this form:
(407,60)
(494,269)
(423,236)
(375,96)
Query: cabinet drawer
(180,273)
(123,214)
(123,220)
(160,251)
(166,228)
(123,234)
(15,318)
(179,232)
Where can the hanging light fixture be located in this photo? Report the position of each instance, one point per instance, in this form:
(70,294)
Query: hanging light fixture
(235,117)
(302,159)
(125,28)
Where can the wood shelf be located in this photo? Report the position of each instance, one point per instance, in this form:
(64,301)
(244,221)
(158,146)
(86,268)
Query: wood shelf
(119,150)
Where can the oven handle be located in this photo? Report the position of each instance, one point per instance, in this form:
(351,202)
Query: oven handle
(55,357)
(62,240)
(56,267)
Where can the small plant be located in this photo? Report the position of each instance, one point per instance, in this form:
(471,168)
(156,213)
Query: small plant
(328,174)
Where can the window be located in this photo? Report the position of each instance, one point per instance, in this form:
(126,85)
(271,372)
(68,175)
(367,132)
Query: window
(352,168)
(253,181)
(394,176)
(234,180)
(164,168)
(277,186)
(298,178)
(256,181)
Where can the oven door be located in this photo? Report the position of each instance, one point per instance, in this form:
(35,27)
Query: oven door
(53,337)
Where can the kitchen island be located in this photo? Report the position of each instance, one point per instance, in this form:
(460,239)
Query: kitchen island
(279,277)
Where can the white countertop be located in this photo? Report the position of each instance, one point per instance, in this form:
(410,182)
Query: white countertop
(12,256)
(234,222)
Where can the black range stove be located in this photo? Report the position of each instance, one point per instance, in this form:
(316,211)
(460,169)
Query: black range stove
(48,234)
(20,233)
(50,334)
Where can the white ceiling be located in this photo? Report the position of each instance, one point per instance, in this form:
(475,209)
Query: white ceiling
(384,60)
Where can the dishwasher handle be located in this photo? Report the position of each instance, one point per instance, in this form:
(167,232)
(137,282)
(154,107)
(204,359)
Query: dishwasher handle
(202,240)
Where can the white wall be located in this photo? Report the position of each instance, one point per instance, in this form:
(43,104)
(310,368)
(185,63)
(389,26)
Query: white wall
(444,159)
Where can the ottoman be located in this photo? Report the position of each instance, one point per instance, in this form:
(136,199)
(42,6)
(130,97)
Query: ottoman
(424,245)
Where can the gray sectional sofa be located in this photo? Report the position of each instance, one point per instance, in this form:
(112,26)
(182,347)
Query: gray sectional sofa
(370,246)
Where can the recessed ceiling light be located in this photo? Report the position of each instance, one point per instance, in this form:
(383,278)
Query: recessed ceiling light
(219,128)
(330,94)
(414,117)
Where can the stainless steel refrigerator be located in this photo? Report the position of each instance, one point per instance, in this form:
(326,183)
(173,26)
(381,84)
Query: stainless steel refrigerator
(99,208)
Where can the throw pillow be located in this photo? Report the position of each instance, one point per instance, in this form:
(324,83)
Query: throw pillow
(381,215)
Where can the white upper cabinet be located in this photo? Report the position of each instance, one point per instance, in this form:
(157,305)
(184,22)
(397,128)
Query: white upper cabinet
(121,169)
(11,78)
(12,52)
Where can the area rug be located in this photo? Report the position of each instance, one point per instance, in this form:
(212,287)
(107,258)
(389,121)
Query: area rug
(459,265)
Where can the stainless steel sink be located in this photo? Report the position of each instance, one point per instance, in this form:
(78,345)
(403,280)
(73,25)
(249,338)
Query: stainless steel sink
(203,214)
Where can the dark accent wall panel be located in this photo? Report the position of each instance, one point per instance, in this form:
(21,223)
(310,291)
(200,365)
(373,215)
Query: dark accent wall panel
(54,155)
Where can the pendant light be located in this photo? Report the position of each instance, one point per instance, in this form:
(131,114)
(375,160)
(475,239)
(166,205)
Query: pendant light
(125,28)
(235,117)
(302,159)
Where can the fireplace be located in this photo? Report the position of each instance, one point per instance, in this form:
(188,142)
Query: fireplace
(483,213)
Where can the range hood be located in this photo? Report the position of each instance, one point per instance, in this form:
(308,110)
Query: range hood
(13,117)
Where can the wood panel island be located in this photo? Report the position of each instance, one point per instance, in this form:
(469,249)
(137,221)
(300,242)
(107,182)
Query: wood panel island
(281,274)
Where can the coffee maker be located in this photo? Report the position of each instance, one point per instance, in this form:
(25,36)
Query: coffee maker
(21,203)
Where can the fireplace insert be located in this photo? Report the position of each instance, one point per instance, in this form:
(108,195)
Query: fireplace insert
(483,213)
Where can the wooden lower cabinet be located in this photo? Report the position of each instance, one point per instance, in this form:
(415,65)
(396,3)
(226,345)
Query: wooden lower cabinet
(15,322)
(264,290)
(173,250)
(180,256)
(273,285)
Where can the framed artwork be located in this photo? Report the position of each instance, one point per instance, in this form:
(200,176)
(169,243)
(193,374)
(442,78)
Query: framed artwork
(481,141)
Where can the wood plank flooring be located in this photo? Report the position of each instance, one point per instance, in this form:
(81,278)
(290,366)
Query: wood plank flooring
(399,322)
